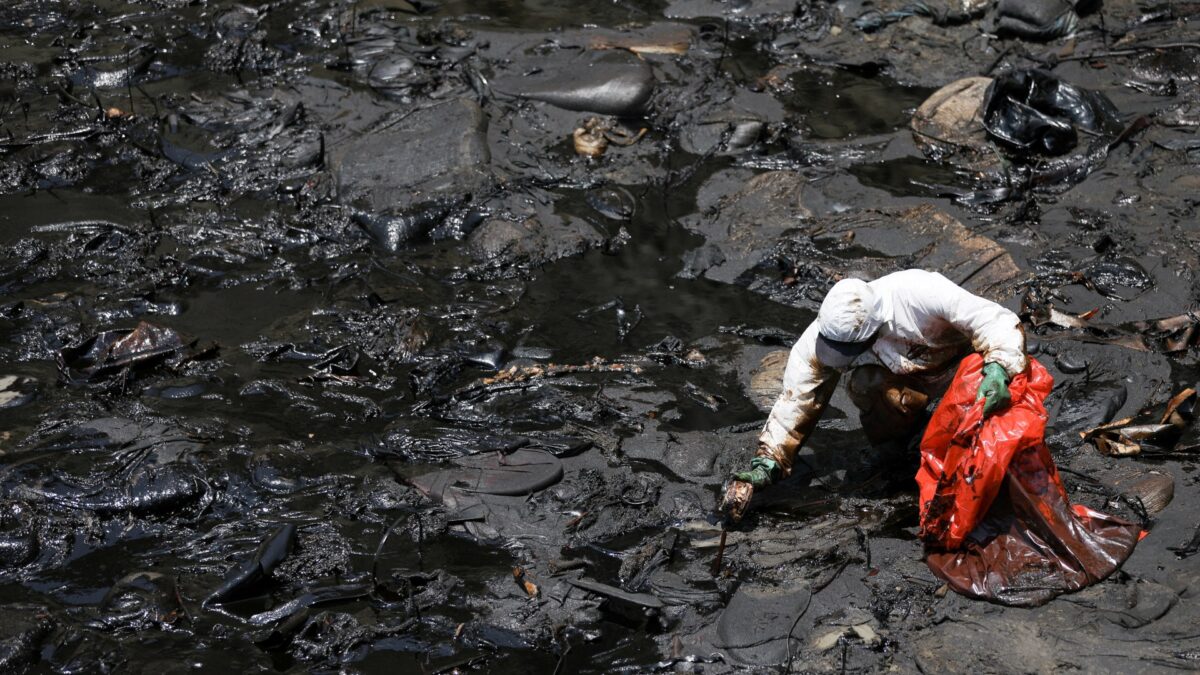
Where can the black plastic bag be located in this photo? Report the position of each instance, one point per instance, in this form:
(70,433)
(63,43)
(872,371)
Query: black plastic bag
(1034,112)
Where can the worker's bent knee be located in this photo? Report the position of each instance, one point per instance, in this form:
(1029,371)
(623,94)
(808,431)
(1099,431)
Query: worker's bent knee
(873,388)
(866,384)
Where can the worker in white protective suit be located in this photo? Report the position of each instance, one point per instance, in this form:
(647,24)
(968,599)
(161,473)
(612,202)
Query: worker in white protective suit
(901,338)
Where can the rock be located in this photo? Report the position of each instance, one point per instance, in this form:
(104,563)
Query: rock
(1186,114)
(414,166)
(1155,490)
(930,239)
(16,391)
(763,237)
(1137,604)
(989,645)
(347,113)
(750,220)
(867,634)
(972,260)
(1182,65)
(732,125)
(754,626)
(829,640)
(767,379)
(951,120)
(698,261)
(531,240)
(120,352)
(522,472)
(823,536)
(690,455)
(608,83)
(519,473)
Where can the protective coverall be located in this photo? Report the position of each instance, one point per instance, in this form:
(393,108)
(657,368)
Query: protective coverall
(913,330)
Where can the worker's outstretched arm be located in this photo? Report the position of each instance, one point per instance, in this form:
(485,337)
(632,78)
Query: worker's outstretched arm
(807,387)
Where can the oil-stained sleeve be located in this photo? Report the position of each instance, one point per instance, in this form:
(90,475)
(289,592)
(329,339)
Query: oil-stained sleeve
(994,332)
(807,387)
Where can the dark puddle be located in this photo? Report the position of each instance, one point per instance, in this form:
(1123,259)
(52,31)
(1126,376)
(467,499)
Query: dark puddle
(836,103)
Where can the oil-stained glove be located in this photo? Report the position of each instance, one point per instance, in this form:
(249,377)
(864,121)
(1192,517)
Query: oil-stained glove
(737,498)
(993,388)
(1035,19)
(763,471)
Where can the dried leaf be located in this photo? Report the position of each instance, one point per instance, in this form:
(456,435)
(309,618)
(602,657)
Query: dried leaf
(1065,320)
(1126,441)
(671,42)
(526,585)
(1180,409)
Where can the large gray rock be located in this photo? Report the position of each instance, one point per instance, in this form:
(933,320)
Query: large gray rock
(416,162)
(755,626)
(756,234)
(951,120)
(694,456)
(346,113)
(747,222)
(531,240)
(766,380)
(605,82)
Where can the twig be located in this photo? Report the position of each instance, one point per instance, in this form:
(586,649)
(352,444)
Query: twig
(716,568)
(379,548)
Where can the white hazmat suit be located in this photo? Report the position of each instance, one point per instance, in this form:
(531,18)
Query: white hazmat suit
(923,325)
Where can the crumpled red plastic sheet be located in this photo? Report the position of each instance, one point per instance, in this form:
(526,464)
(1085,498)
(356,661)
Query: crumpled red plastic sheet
(995,517)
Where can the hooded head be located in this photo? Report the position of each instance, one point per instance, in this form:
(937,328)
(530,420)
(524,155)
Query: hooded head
(848,320)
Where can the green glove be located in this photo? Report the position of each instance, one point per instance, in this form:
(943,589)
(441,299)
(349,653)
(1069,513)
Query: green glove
(763,471)
(994,388)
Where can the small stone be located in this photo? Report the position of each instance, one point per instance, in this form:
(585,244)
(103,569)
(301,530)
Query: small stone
(867,634)
(16,390)
(829,640)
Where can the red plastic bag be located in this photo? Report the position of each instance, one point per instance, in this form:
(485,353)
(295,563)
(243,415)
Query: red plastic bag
(964,456)
(994,515)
